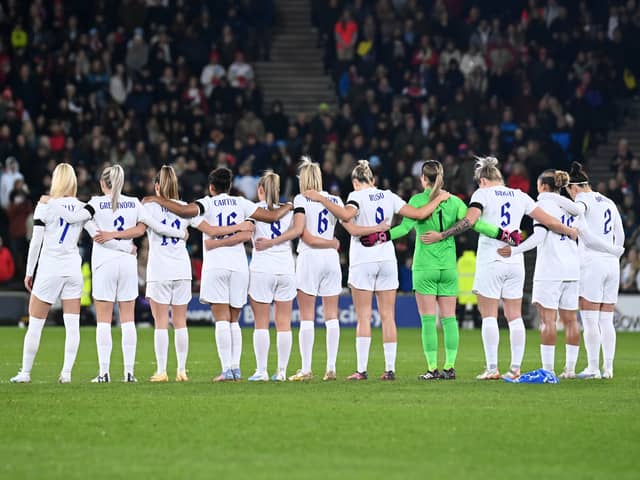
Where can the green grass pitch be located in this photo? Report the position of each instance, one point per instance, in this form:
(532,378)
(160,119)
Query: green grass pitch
(407,429)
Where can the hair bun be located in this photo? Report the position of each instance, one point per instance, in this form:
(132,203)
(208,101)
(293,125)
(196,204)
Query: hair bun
(576,168)
(482,162)
(364,163)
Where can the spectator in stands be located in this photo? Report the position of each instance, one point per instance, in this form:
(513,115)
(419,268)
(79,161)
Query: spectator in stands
(212,74)
(346,35)
(10,174)
(629,271)
(240,72)
(7,265)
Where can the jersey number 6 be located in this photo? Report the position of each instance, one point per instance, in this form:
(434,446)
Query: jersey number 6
(323,222)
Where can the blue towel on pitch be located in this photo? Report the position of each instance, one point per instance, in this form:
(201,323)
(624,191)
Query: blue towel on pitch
(537,376)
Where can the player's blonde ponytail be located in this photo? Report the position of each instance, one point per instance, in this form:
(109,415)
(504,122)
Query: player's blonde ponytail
(362,172)
(561,179)
(487,168)
(270,183)
(433,173)
(113,178)
(63,181)
(168,182)
(309,175)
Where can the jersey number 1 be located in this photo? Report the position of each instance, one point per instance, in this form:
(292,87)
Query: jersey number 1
(174,240)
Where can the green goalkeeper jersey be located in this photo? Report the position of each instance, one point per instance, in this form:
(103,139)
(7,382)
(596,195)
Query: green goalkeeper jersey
(440,255)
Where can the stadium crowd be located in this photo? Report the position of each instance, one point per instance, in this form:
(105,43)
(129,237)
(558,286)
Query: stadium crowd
(143,83)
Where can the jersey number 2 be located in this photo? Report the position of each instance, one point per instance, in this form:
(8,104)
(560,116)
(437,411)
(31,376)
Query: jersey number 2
(607,221)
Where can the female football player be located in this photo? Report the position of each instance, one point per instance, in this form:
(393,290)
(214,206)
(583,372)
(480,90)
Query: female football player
(272,280)
(557,271)
(225,270)
(434,269)
(599,274)
(54,248)
(497,277)
(114,273)
(372,270)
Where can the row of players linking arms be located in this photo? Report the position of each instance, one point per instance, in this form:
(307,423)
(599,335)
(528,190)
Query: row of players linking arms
(274,276)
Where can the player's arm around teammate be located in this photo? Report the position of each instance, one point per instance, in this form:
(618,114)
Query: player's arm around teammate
(53,248)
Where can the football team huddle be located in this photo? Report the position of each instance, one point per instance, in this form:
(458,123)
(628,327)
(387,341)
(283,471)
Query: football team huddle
(575,235)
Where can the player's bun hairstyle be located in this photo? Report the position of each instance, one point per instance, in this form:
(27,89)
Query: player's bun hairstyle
(168,182)
(487,167)
(362,172)
(577,175)
(433,172)
(270,183)
(220,178)
(554,179)
(63,181)
(309,175)
(113,178)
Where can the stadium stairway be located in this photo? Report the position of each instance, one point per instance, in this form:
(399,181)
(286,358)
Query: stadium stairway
(295,74)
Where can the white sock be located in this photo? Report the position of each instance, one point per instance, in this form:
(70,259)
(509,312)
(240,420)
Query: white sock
(223,342)
(571,357)
(181,339)
(284,341)
(236,344)
(305,340)
(548,355)
(71,341)
(31,343)
(104,344)
(129,342)
(490,341)
(517,338)
(608,332)
(591,337)
(362,352)
(390,350)
(161,347)
(333,340)
(261,343)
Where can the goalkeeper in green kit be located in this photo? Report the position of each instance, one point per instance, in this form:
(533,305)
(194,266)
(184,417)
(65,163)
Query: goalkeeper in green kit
(435,275)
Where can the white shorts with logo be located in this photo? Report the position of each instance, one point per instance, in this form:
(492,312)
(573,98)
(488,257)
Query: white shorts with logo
(374,276)
(224,286)
(116,281)
(600,280)
(266,287)
(555,294)
(49,288)
(319,274)
(170,292)
(499,280)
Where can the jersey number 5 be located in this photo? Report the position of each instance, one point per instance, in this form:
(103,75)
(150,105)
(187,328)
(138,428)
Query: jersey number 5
(505,215)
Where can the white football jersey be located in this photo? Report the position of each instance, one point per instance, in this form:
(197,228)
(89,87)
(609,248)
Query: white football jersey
(319,221)
(603,220)
(168,257)
(374,206)
(557,256)
(279,258)
(127,215)
(221,211)
(504,207)
(59,254)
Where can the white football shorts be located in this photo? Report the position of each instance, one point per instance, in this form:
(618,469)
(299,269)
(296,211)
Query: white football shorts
(170,292)
(555,294)
(374,276)
(499,280)
(600,280)
(49,288)
(116,281)
(266,287)
(224,286)
(319,273)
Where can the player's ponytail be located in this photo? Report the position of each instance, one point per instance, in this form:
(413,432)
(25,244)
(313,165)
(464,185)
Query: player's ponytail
(487,168)
(561,179)
(309,175)
(433,173)
(577,175)
(554,179)
(362,172)
(63,181)
(270,183)
(168,182)
(113,178)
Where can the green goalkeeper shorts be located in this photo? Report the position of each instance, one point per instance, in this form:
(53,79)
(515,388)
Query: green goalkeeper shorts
(441,283)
